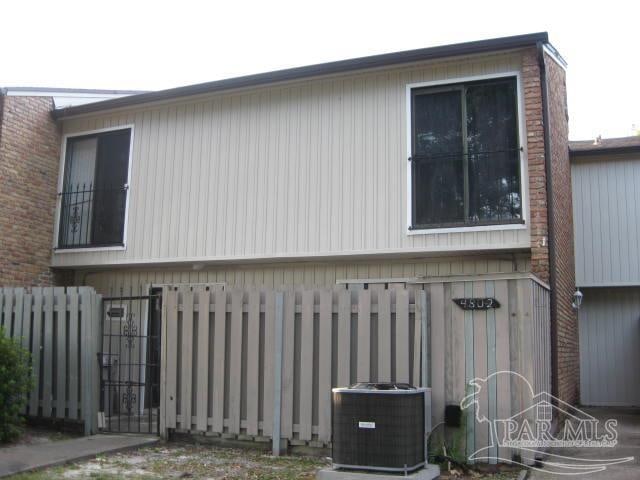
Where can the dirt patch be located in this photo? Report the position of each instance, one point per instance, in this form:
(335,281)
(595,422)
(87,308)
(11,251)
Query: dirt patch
(185,460)
(480,475)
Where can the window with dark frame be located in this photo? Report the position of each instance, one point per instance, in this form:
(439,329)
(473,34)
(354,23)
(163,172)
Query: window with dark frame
(465,155)
(94,192)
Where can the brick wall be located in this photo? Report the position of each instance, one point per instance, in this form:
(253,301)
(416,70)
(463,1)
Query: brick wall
(537,176)
(564,318)
(29,162)
(566,321)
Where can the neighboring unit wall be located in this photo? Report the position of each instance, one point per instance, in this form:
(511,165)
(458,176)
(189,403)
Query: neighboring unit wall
(308,274)
(609,353)
(606,210)
(315,168)
(29,160)
(564,317)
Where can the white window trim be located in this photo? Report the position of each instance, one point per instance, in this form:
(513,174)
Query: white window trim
(524,177)
(63,155)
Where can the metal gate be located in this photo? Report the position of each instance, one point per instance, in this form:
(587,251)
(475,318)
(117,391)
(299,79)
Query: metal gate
(130,361)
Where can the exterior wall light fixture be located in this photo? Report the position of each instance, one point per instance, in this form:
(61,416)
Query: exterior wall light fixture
(577,299)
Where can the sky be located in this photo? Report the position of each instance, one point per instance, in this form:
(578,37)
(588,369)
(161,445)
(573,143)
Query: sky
(143,45)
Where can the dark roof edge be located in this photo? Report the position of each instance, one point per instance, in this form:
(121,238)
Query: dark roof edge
(374,61)
(604,151)
(73,90)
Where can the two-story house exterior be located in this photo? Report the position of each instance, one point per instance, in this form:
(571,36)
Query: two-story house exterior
(441,162)
(606,201)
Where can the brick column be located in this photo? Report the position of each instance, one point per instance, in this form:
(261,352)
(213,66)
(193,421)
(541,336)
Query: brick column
(537,176)
(566,378)
(566,319)
(29,162)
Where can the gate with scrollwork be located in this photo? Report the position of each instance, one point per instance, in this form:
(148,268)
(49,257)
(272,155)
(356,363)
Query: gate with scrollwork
(130,361)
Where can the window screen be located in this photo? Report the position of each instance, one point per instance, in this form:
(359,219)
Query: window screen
(465,159)
(93,199)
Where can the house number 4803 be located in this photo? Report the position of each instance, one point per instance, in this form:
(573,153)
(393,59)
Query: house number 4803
(476,303)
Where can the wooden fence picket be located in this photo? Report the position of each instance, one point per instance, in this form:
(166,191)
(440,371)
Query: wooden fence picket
(268,362)
(306,365)
(61,351)
(384,336)
(74,351)
(288,349)
(170,358)
(47,352)
(235,367)
(17,314)
(363,367)
(402,336)
(187,359)
(36,351)
(203,360)
(344,338)
(325,356)
(253,362)
(219,367)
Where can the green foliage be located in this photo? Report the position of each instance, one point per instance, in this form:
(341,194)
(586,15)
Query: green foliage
(458,444)
(450,444)
(15,384)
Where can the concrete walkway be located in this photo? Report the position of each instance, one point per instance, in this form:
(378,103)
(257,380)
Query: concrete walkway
(22,458)
(628,446)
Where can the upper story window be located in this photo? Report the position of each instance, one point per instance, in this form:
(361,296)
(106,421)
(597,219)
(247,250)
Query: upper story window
(465,155)
(94,190)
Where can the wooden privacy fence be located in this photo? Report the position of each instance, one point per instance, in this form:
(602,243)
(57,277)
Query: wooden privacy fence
(261,364)
(61,328)
(470,344)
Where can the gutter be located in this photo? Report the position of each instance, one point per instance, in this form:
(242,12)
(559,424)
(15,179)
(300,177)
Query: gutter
(604,151)
(550,229)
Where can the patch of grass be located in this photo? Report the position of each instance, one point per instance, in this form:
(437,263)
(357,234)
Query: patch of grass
(49,473)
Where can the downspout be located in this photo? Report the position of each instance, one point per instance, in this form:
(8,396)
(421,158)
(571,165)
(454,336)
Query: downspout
(550,232)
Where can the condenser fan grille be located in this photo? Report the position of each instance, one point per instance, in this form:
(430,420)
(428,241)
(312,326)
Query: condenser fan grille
(379,429)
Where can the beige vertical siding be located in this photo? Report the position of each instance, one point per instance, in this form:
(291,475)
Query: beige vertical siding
(306,274)
(606,212)
(312,168)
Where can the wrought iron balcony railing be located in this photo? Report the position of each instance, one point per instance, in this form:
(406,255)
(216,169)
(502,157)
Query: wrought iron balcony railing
(91,217)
